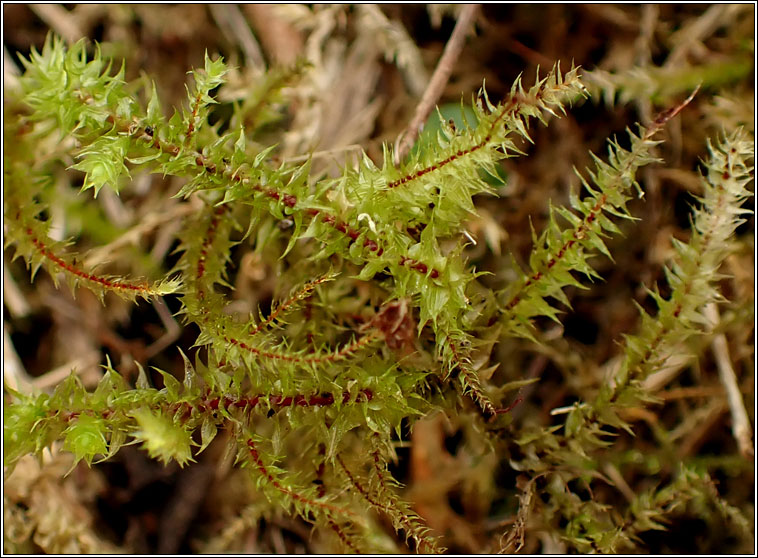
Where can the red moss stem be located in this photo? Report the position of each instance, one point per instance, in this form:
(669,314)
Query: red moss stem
(340,354)
(139,288)
(510,105)
(299,295)
(258,462)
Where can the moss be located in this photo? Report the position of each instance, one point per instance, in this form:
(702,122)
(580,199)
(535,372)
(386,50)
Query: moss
(382,321)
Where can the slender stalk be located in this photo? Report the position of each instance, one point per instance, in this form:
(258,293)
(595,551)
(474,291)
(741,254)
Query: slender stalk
(441,75)
(741,429)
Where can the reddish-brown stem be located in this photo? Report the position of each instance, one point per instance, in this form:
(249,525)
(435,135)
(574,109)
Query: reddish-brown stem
(345,229)
(578,234)
(299,295)
(509,106)
(421,267)
(191,125)
(378,469)
(319,480)
(580,231)
(342,353)
(210,236)
(70,268)
(258,462)
(343,536)
(653,346)
(279,401)
(290,200)
(404,519)
(275,401)
(472,381)
(362,491)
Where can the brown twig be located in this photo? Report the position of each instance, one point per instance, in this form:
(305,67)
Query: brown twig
(440,77)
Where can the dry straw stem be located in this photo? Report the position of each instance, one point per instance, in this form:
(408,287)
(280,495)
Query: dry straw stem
(441,74)
(59,19)
(740,423)
(14,374)
(690,38)
(232,22)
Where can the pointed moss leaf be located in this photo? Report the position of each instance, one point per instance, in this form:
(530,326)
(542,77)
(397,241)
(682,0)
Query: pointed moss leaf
(117,439)
(144,159)
(262,156)
(154,111)
(172,386)
(111,383)
(142,381)
(208,432)
(192,382)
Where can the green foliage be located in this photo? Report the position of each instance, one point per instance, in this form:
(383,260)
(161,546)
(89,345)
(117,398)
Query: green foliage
(300,388)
